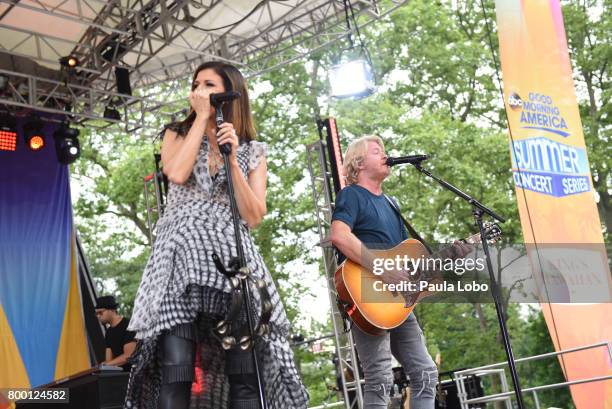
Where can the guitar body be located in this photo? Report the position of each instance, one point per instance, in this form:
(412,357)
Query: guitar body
(376,317)
(390,309)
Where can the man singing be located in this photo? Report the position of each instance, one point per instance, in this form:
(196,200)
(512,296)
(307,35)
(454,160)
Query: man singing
(363,218)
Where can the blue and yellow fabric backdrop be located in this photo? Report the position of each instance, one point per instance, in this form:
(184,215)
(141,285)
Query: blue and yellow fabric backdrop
(42,332)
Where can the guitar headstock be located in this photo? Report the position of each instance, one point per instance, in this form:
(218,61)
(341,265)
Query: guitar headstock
(492,232)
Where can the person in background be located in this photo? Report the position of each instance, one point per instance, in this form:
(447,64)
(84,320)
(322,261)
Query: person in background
(120,342)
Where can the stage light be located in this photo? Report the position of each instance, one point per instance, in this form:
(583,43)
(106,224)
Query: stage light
(8,140)
(110,112)
(67,145)
(32,134)
(4,80)
(354,76)
(69,61)
(8,132)
(122,79)
(111,49)
(36,143)
(353,79)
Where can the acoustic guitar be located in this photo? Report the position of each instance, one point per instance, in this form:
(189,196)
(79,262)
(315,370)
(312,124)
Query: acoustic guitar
(391,308)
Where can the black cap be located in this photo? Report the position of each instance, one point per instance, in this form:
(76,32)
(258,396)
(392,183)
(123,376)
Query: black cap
(108,302)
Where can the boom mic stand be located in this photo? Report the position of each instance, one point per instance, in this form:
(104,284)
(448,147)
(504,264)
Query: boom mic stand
(478,210)
(238,266)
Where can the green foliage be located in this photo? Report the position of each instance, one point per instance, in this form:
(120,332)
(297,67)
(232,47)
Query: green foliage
(536,340)
(438,96)
(589,35)
(110,209)
(317,369)
(465,335)
(443,51)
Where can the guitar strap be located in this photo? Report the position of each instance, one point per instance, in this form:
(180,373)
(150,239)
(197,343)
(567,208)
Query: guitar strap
(411,230)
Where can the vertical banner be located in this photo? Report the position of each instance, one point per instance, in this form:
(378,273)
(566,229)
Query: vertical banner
(42,331)
(553,183)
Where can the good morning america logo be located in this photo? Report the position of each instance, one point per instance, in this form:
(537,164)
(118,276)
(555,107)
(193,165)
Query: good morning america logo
(545,166)
(539,112)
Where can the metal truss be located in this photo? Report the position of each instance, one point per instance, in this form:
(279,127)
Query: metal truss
(345,349)
(161,41)
(305,28)
(80,103)
(154,200)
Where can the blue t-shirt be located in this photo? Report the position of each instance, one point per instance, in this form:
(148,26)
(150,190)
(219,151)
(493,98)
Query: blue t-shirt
(370,218)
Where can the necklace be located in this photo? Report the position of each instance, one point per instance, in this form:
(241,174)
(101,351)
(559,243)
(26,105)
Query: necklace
(214,161)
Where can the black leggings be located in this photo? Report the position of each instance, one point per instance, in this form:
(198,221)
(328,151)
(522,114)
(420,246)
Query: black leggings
(242,379)
(177,357)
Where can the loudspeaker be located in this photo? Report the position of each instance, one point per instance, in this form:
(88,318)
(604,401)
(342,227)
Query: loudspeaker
(122,78)
(447,396)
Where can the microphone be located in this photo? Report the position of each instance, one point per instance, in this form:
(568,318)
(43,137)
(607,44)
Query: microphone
(411,159)
(217,100)
(223,97)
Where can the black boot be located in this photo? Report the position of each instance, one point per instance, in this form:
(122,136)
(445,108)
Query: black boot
(177,357)
(244,393)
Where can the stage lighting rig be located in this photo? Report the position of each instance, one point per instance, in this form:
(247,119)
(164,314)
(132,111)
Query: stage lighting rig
(33,135)
(67,145)
(353,77)
(4,81)
(70,62)
(68,65)
(8,132)
(111,112)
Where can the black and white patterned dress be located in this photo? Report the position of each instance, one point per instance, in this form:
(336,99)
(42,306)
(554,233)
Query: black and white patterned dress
(181,285)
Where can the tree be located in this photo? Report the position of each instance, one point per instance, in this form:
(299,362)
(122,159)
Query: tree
(442,51)
(110,210)
(536,340)
(589,36)
(437,96)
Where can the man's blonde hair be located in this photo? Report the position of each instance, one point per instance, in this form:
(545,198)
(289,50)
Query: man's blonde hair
(354,155)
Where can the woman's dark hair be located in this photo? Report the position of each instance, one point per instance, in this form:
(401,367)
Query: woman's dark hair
(238,112)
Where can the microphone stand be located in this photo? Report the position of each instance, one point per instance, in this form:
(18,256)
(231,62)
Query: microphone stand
(478,210)
(240,261)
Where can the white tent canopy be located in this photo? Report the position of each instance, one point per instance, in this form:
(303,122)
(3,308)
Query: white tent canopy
(156,41)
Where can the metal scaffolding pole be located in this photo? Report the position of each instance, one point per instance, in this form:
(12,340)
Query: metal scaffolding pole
(345,348)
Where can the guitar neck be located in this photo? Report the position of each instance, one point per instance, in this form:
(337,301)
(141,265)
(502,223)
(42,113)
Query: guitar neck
(449,253)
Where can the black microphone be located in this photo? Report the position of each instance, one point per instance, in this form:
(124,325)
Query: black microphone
(217,100)
(223,97)
(411,159)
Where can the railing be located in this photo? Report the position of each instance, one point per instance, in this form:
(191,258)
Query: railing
(497,369)
(329,405)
